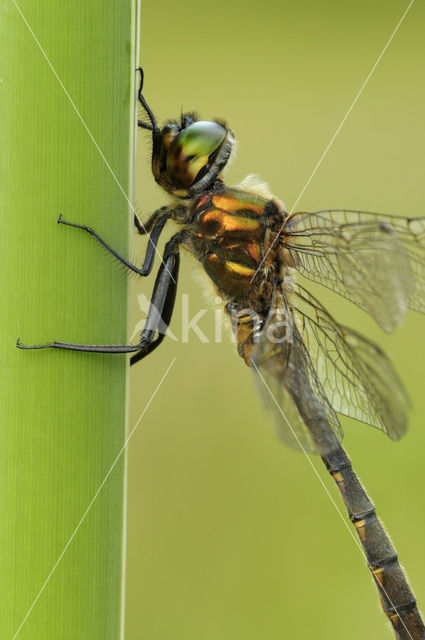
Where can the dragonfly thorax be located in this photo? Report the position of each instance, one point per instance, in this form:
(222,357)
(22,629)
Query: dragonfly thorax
(230,233)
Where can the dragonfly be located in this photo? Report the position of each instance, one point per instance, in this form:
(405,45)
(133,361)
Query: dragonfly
(308,367)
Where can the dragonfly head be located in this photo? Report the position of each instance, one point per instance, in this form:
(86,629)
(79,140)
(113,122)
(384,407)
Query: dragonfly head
(189,154)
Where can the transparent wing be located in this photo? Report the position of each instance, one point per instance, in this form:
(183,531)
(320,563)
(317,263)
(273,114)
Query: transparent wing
(345,372)
(376,261)
(290,387)
(356,375)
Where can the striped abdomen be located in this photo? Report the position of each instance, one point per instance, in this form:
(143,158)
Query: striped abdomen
(397,599)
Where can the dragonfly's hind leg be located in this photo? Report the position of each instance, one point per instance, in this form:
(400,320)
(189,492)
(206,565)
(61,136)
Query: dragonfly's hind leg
(159,314)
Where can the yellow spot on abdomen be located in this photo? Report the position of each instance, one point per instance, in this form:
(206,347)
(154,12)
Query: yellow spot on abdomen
(378,574)
(339,479)
(360,526)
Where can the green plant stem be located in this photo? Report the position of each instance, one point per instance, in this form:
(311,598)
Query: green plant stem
(63,415)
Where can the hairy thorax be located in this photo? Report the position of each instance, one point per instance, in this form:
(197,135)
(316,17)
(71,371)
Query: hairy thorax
(237,237)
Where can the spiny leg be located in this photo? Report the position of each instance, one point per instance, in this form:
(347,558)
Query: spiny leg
(95,348)
(160,311)
(157,222)
(153,126)
(140,123)
(144,228)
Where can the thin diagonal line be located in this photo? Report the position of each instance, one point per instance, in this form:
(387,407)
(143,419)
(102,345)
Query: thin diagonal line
(86,128)
(336,133)
(92,501)
(306,455)
(326,490)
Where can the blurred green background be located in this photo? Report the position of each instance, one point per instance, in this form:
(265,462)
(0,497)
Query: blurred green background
(230,534)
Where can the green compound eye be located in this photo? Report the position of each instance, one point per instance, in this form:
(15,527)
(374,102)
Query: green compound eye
(191,150)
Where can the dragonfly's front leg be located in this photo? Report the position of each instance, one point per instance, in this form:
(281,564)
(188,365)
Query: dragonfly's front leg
(153,126)
(159,314)
(155,223)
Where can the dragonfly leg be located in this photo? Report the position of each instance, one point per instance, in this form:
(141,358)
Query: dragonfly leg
(95,348)
(153,126)
(140,123)
(156,223)
(159,314)
(153,219)
(162,301)
(144,125)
